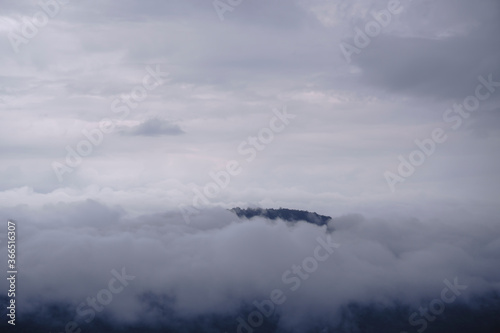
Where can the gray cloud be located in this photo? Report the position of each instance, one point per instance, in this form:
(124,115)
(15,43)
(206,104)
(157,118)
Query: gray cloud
(355,119)
(153,127)
(439,68)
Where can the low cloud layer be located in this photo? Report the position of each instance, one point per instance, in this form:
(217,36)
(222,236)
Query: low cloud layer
(219,264)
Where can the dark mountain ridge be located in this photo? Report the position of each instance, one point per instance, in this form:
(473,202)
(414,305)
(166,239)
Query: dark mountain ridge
(291,215)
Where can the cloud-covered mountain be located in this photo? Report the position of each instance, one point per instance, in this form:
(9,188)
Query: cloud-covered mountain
(284,214)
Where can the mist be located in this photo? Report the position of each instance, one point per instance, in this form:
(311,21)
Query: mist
(220,265)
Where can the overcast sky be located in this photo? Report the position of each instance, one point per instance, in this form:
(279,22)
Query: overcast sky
(353,117)
(116,116)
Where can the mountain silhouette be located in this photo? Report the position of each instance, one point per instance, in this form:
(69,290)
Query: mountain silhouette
(291,215)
